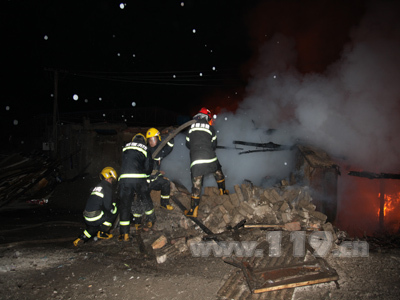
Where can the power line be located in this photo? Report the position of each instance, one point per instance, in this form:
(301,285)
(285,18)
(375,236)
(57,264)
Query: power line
(176,78)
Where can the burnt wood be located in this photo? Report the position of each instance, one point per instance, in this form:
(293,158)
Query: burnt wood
(371,175)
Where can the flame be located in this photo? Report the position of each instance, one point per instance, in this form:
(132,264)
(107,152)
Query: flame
(391,202)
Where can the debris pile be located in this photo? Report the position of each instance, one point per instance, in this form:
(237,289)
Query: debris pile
(237,221)
(274,276)
(285,208)
(274,206)
(26,177)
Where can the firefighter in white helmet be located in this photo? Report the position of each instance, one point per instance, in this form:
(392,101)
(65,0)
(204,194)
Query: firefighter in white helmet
(157,181)
(100,210)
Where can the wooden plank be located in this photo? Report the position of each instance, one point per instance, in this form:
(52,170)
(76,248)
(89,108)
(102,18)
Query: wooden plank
(260,280)
(237,285)
(293,226)
(371,175)
(262,226)
(296,284)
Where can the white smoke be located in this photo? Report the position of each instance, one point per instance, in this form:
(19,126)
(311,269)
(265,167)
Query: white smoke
(351,111)
(177,164)
(260,168)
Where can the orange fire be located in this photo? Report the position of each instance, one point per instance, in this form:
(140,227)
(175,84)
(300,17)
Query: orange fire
(391,202)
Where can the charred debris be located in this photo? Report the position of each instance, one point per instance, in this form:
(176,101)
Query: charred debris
(247,214)
(244,215)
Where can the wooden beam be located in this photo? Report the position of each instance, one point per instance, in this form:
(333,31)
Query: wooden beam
(296,284)
(371,175)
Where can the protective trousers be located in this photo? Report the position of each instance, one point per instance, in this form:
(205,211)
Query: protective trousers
(128,188)
(162,184)
(103,224)
(197,183)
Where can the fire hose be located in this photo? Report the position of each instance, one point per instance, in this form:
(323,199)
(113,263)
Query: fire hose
(162,144)
(195,220)
(171,136)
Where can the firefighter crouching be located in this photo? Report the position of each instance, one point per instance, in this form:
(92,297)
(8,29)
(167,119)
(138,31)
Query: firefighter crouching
(136,167)
(201,140)
(157,181)
(100,211)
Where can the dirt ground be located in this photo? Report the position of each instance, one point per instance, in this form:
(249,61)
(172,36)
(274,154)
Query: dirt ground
(39,261)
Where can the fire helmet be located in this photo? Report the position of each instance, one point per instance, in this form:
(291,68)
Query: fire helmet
(108,172)
(206,112)
(153,132)
(139,138)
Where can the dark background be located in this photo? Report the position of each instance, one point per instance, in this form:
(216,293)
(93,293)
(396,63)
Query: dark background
(121,55)
(147,52)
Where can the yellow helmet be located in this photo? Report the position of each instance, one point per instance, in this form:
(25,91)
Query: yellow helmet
(153,132)
(139,138)
(108,172)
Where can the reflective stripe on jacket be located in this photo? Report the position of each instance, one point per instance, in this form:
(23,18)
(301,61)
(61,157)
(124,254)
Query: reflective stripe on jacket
(202,142)
(136,161)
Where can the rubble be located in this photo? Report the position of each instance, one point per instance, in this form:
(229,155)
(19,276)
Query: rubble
(273,206)
(245,215)
(170,250)
(25,178)
(230,217)
(159,243)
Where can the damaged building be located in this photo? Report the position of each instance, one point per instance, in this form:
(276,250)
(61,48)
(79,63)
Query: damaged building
(247,213)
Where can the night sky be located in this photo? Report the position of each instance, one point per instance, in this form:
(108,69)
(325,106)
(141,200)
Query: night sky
(167,53)
(178,55)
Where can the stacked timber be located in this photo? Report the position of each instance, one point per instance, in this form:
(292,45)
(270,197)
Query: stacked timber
(22,177)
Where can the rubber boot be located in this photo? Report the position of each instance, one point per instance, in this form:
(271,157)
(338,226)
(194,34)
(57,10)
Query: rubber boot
(104,235)
(123,237)
(166,206)
(221,187)
(80,240)
(194,207)
(138,227)
(223,192)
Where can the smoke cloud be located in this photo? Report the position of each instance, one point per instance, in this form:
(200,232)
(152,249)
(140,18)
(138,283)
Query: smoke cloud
(351,110)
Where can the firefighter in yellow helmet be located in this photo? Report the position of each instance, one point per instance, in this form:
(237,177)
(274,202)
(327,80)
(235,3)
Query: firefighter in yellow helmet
(136,168)
(100,210)
(157,181)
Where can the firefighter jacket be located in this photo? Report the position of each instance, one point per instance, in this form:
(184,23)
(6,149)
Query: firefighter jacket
(167,149)
(201,139)
(100,202)
(136,161)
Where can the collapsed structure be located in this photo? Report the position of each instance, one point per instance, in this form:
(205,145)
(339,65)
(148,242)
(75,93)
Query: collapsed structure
(246,214)
(249,215)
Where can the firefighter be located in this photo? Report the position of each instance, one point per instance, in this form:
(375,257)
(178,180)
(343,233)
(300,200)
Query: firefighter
(157,181)
(136,167)
(201,140)
(100,211)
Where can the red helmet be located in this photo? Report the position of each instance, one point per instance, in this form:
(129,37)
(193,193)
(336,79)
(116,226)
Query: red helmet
(207,112)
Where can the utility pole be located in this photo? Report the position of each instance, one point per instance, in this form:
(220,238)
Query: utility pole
(55,115)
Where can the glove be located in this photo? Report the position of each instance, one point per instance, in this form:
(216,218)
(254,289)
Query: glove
(154,175)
